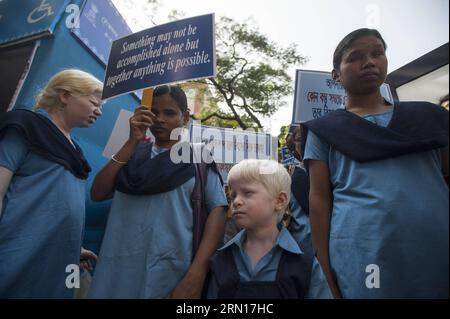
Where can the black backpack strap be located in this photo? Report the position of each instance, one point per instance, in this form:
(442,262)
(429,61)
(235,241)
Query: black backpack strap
(223,269)
(294,272)
(199,210)
(198,200)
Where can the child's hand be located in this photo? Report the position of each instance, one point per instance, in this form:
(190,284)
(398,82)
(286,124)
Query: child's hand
(85,257)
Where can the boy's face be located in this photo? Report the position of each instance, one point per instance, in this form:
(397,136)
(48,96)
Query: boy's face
(253,206)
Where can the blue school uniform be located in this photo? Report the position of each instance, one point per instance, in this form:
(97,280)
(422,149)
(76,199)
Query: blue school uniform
(389,224)
(147,247)
(41,223)
(299,226)
(266,268)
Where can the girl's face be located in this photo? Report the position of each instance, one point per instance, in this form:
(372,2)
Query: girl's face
(168,116)
(81,110)
(363,66)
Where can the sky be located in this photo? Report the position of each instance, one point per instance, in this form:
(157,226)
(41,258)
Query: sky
(410,28)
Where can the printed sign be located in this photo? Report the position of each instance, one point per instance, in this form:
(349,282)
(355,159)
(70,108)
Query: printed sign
(25,20)
(100,24)
(316,94)
(173,52)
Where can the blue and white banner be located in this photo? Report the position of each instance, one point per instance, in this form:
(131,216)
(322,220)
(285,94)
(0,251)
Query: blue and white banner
(232,145)
(22,20)
(99,25)
(316,94)
(174,52)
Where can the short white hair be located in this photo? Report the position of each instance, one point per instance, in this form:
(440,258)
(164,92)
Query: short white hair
(271,174)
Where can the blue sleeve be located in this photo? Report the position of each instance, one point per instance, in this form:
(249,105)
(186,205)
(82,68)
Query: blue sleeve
(315,148)
(300,227)
(318,288)
(215,196)
(13,150)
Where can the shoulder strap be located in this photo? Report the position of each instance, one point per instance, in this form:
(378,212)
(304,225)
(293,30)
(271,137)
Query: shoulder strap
(223,269)
(294,272)
(200,213)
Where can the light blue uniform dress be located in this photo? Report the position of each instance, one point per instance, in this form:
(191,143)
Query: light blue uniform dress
(389,227)
(147,247)
(267,267)
(299,227)
(41,224)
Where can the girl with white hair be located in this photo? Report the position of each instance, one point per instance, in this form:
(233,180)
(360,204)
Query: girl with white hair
(43,176)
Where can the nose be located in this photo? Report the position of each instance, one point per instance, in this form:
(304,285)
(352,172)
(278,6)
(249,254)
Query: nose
(98,111)
(237,202)
(159,118)
(369,62)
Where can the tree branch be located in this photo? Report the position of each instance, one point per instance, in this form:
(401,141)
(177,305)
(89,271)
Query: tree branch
(215,114)
(250,113)
(229,101)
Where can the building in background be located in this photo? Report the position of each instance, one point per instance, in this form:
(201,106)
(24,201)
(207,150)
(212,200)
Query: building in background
(424,79)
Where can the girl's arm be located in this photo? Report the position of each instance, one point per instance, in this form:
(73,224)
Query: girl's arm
(103,185)
(191,285)
(320,207)
(5,179)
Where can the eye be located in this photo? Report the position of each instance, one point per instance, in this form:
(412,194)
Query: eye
(95,103)
(354,57)
(378,53)
(169,113)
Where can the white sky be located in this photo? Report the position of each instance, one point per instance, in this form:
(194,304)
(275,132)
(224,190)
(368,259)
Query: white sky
(410,28)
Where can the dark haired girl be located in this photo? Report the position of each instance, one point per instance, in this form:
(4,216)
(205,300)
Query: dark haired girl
(378,199)
(147,251)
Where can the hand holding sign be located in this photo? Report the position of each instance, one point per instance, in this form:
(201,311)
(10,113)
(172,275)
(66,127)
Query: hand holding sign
(141,120)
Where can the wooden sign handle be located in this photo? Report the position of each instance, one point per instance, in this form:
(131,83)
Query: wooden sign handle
(147,98)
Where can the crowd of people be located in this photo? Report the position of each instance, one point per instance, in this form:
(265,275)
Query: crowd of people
(364,214)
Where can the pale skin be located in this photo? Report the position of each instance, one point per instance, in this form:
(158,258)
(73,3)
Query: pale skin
(75,111)
(362,70)
(258,211)
(164,116)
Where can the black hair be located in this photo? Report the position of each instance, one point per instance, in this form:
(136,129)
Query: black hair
(443,99)
(296,139)
(348,40)
(175,92)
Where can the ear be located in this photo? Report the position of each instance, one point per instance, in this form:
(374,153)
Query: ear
(281,201)
(335,75)
(64,96)
(186,117)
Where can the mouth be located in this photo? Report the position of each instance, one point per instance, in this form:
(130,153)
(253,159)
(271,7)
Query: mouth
(92,119)
(370,76)
(158,129)
(237,213)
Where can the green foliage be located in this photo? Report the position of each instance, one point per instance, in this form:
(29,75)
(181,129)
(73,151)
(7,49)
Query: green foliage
(284,130)
(251,80)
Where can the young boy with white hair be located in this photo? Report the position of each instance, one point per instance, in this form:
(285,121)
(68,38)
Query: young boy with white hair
(263,260)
